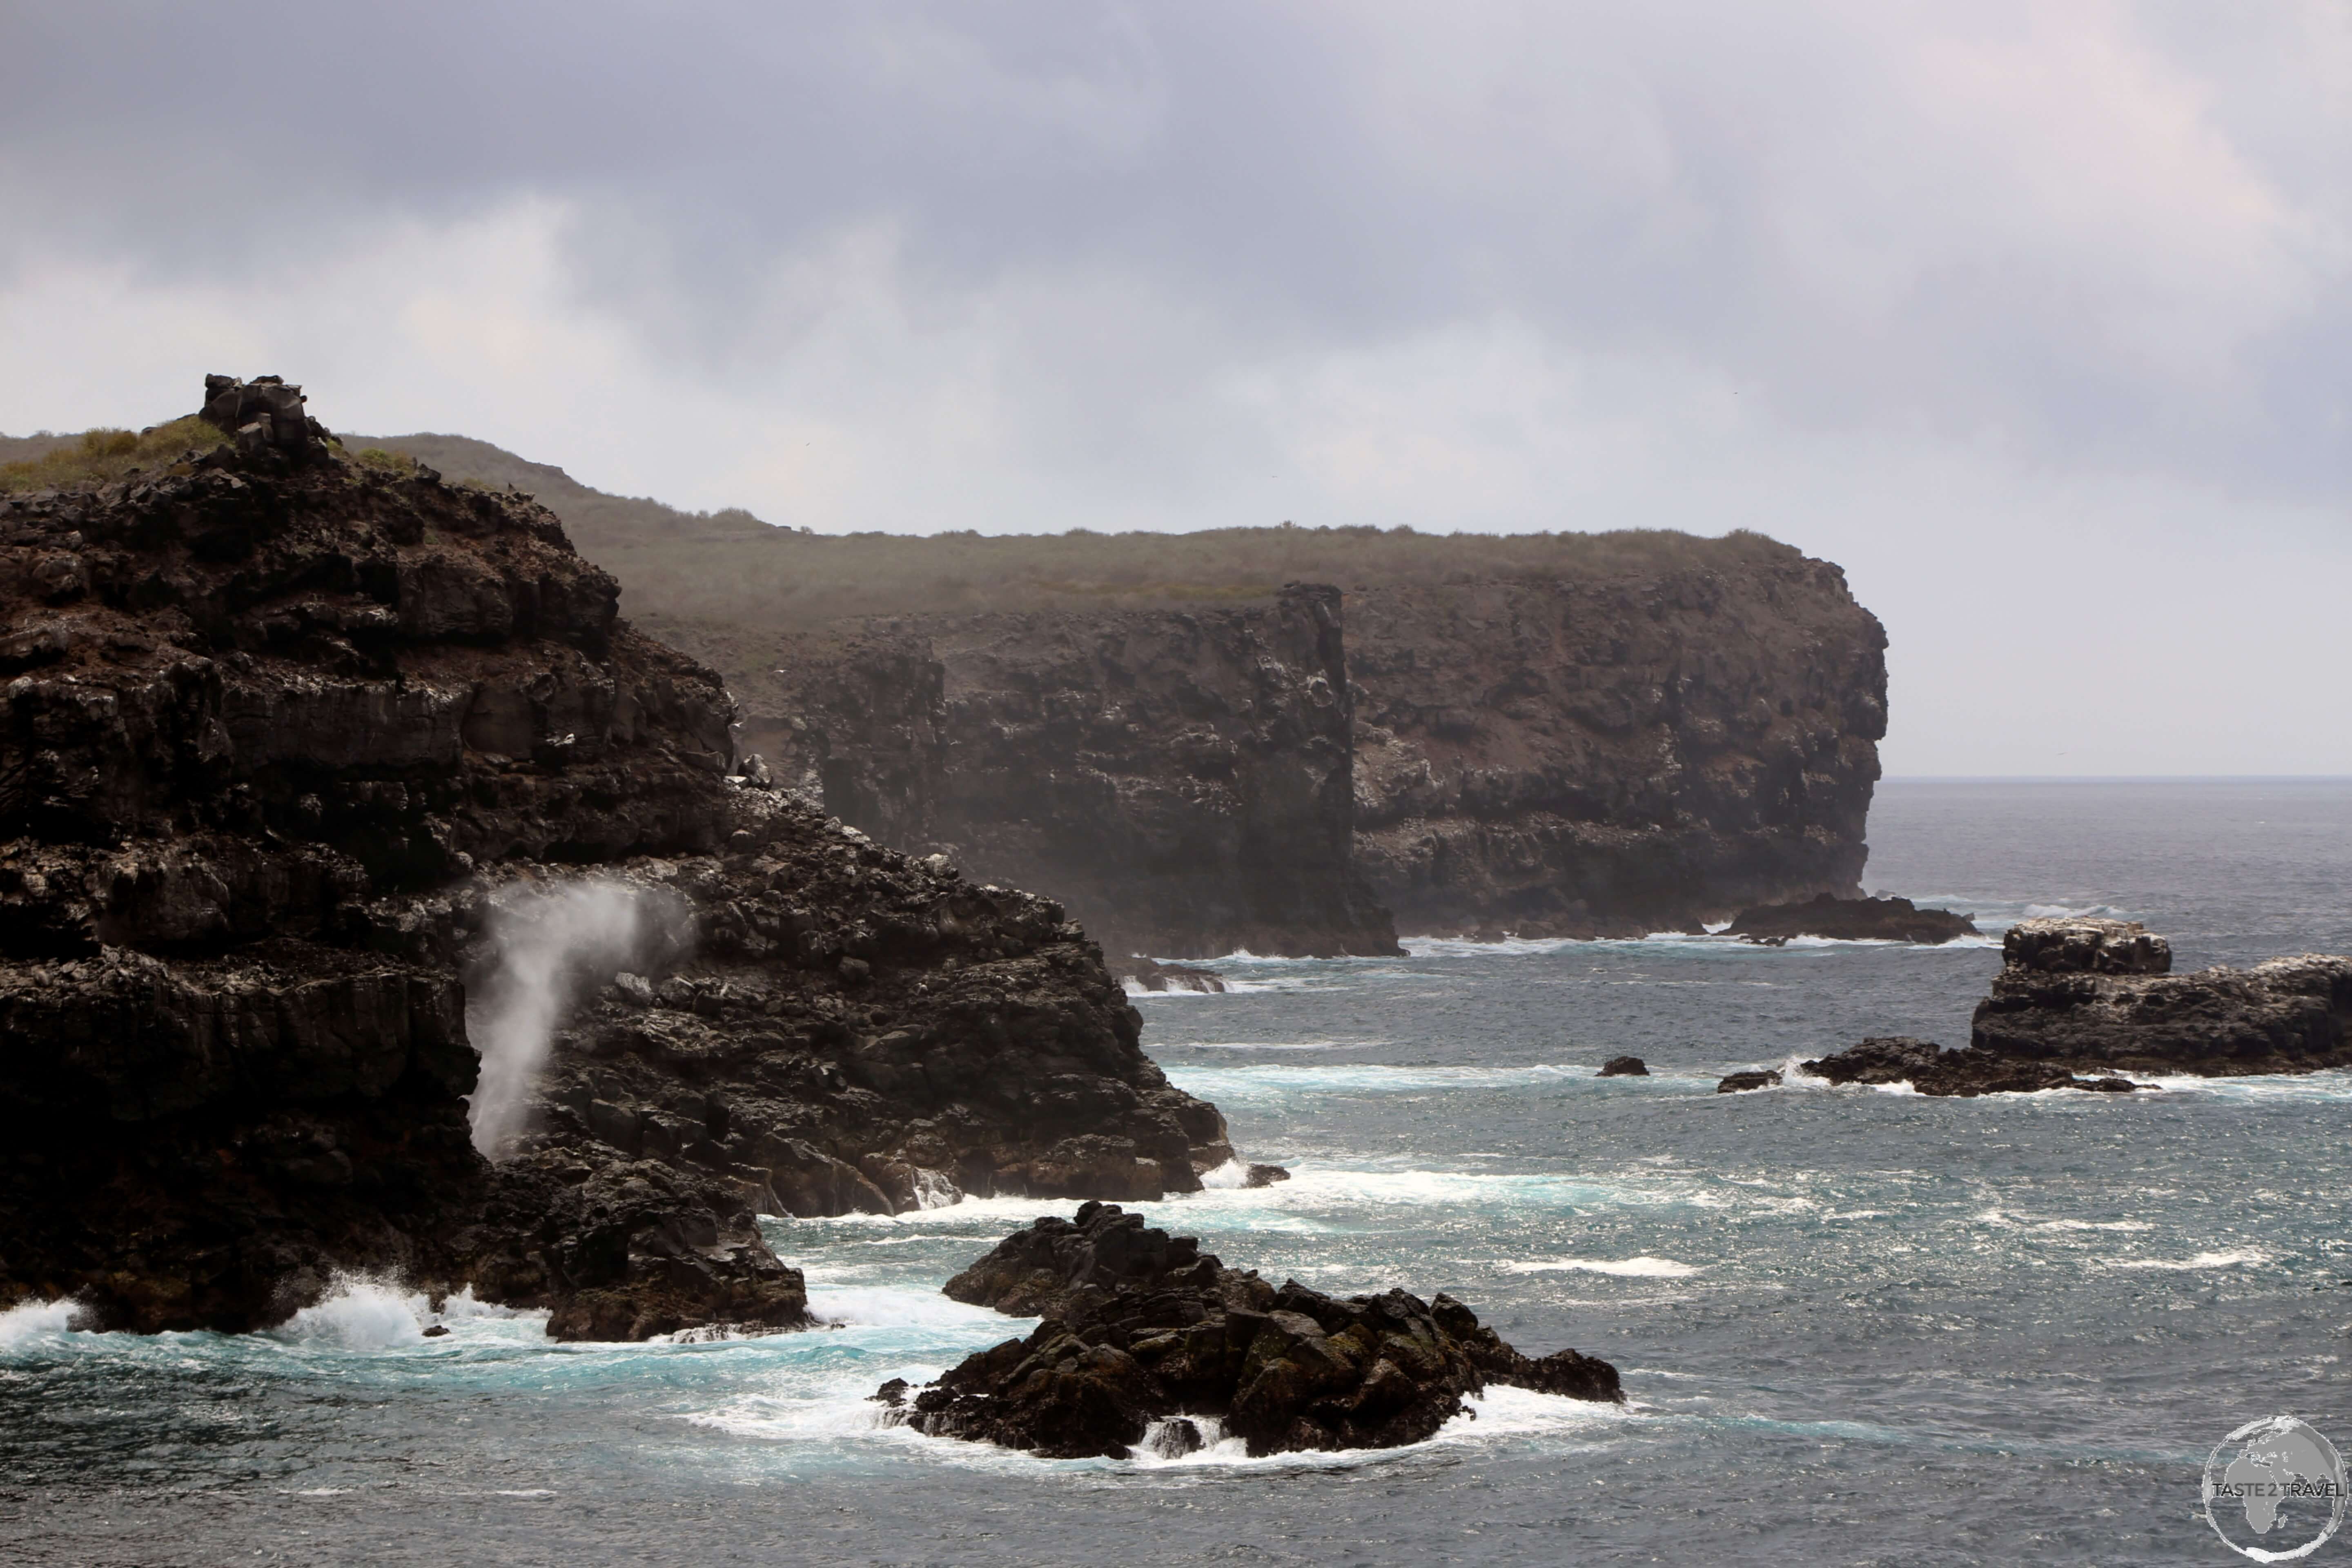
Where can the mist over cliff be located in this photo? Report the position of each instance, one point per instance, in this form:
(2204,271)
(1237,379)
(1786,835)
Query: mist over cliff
(1282,739)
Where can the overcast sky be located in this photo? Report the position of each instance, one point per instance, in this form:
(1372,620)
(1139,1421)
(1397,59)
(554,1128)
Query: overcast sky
(2037,318)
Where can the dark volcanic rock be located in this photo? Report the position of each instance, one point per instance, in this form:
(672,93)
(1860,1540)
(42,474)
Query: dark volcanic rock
(1623,1067)
(1615,756)
(285,737)
(1851,919)
(1931,1069)
(1141,1326)
(1182,780)
(1264,1176)
(1740,1082)
(1154,976)
(2095,994)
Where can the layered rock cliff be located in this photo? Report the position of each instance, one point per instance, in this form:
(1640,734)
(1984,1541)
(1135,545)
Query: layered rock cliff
(1182,779)
(1604,757)
(292,742)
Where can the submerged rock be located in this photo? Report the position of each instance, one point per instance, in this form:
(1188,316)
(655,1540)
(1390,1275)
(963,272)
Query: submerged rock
(1141,1328)
(1850,920)
(1623,1067)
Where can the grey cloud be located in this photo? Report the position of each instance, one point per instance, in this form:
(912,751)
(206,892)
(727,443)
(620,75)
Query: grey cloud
(1834,208)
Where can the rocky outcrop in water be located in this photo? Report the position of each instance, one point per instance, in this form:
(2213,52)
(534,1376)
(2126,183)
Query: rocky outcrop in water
(1181,779)
(285,734)
(2098,995)
(1851,919)
(2081,1003)
(1141,1328)
(1932,1070)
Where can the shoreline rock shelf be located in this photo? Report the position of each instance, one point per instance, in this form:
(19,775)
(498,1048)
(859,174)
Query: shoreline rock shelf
(1141,1326)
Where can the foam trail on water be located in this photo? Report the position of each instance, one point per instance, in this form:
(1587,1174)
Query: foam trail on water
(548,947)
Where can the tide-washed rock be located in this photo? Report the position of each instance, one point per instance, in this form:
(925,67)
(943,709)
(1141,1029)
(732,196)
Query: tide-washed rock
(1932,1070)
(1741,1082)
(1623,1067)
(273,772)
(1153,976)
(1851,919)
(2096,995)
(1264,1175)
(1141,1327)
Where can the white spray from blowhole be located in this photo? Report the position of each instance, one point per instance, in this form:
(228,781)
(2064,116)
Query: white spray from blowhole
(549,946)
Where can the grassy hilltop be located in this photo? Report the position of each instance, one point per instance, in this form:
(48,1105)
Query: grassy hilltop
(729,568)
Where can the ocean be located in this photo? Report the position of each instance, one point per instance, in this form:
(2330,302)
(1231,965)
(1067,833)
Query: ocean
(1855,1326)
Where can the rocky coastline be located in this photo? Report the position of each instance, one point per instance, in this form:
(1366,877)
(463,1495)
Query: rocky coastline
(1143,1331)
(294,742)
(1293,741)
(2084,1003)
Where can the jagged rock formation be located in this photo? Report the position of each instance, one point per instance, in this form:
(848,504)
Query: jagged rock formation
(1182,780)
(1141,1327)
(1612,757)
(281,729)
(1851,919)
(2099,995)
(2080,1002)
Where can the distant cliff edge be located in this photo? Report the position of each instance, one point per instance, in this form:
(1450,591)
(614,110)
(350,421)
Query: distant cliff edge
(1200,743)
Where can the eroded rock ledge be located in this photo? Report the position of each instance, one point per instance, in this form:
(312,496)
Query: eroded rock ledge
(1141,1327)
(281,731)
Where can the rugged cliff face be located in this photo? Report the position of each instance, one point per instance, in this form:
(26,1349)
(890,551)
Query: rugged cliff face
(1182,779)
(1576,758)
(293,745)
(1571,733)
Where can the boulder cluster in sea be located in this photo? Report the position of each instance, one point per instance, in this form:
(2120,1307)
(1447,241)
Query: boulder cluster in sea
(1143,1328)
(2080,1002)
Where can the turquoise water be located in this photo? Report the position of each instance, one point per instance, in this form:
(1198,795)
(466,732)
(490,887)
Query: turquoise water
(1856,1325)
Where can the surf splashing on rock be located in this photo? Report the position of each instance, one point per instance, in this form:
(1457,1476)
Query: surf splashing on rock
(548,948)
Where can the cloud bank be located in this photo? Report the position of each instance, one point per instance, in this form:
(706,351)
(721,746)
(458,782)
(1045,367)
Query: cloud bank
(2033,317)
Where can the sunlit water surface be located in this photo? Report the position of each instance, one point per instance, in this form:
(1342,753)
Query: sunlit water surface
(1858,1326)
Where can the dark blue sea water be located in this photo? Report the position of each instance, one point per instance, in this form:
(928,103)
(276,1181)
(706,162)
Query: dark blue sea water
(1858,1326)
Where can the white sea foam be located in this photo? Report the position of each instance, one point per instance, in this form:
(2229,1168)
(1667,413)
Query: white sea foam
(1266,1045)
(359,1313)
(1643,1267)
(1263,1081)
(549,945)
(886,1307)
(29,1322)
(2238,1258)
